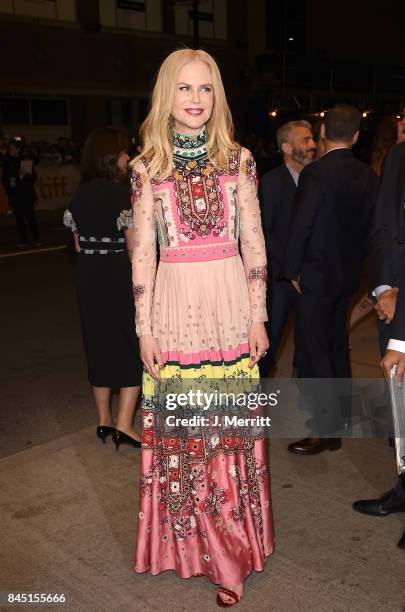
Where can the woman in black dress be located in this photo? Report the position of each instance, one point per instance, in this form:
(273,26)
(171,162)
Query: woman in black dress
(100,216)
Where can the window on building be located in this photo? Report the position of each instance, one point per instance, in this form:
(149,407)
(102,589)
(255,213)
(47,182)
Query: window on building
(205,16)
(34,111)
(118,111)
(131,14)
(211,18)
(15,111)
(49,112)
(61,10)
(131,5)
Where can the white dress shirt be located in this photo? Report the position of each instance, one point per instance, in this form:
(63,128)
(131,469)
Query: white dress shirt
(393,345)
(396,345)
(294,174)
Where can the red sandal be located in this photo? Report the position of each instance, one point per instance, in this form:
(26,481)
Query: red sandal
(228,593)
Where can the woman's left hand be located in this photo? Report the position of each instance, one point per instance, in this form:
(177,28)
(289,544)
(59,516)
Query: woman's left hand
(258,342)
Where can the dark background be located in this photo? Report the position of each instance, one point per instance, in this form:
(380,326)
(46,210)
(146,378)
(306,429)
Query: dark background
(297,56)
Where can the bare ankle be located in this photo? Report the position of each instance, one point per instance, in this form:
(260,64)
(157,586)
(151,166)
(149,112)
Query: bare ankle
(128,430)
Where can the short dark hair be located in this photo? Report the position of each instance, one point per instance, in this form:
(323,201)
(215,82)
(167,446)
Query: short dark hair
(342,122)
(100,155)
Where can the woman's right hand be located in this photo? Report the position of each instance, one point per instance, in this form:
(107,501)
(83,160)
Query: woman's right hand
(150,355)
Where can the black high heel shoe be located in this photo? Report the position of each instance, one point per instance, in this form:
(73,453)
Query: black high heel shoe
(103,431)
(119,437)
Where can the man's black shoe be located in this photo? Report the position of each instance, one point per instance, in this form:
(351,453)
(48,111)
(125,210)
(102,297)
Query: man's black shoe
(314,446)
(401,543)
(387,504)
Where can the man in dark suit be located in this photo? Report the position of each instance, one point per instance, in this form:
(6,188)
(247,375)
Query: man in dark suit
(395,355)
(334,211)
(388,254)
(388,278)
(278,188)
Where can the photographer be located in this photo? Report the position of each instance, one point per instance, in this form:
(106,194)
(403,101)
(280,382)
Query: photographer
(19,183)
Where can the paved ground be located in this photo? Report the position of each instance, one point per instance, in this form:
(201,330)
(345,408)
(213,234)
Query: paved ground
(69,505)
(52,233)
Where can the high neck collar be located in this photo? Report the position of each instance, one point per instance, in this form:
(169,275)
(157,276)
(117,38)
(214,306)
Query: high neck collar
(190,147)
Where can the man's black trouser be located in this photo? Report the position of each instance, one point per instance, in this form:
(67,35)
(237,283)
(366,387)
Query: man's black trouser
(24,212)
(281,299)
(321,352)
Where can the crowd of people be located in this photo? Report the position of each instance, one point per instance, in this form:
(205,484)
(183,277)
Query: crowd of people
(63,151)
(203,308)
(18,162)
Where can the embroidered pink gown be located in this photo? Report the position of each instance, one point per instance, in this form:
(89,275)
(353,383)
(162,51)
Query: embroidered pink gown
(205,501)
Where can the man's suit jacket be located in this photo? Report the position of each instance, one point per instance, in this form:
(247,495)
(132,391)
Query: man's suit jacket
(334,210)
(388,239)
(397,327)
(277,195)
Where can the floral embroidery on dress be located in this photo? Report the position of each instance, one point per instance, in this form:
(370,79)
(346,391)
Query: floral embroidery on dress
(198,193)
(200,203)
(258,274)
(234,162)
(138,291)
(125,220)
(68,221)
(214,500)
(250,170)
(181,460)
(136,183)
(183,494)
(249,496)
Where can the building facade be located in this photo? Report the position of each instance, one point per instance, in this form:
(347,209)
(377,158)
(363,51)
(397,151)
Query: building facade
(72,65)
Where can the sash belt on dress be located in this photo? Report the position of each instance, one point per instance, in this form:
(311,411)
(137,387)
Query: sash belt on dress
(201,252)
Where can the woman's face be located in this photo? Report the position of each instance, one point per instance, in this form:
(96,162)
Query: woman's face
(122,161)
(193,99)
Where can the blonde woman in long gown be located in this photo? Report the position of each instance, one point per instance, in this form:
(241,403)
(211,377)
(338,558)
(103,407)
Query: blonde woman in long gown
(205,505)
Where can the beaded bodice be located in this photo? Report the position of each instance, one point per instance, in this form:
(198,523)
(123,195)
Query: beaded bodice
(187,148)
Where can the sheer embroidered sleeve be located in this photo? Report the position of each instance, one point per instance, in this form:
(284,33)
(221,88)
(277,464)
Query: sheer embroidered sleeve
(144,253)
(251,236)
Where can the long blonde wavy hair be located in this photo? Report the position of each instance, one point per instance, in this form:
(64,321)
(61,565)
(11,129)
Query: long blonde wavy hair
(156,130)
